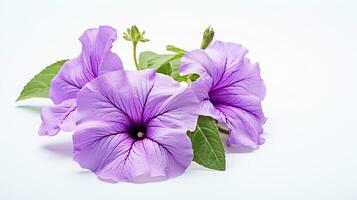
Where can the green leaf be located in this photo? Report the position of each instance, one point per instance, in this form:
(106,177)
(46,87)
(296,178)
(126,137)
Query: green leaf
(175,67)
(168,64)
(165,69)
(207,145)
(39,85)
(144,59)
(160,62)
(175,49)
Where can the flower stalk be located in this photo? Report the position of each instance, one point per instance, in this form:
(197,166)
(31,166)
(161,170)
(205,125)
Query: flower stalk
(135,44)
(223,130)
(134,35)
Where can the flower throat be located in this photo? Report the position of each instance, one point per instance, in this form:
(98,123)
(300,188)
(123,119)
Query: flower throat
(138,132)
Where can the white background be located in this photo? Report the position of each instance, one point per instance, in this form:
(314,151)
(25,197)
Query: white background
(308,56)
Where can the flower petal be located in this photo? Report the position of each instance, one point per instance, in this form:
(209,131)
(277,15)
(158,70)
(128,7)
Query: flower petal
(116,95)
(233,94)
(244,80)
(201,88)
(151,159)
(245,127)
(175,107)
(117,157)
(96,54)
(58,117)
(197,61)
(94,143)
(111,104)
(96,58)
(226,54)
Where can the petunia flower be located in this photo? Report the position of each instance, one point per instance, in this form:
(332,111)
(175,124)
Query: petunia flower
(96,59)
(131,126)
(230,90)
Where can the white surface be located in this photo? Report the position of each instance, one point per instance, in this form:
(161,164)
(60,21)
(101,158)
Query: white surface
(307,52)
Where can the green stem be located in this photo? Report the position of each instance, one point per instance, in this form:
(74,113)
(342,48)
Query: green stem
(223,130)
(134,54)
(189,81)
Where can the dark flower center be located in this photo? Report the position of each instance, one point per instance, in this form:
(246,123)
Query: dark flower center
(138,132)
(211,96)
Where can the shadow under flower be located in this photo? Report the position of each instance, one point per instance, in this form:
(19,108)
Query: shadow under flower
(230,150)
(63,149)
(33,109)
(240,150)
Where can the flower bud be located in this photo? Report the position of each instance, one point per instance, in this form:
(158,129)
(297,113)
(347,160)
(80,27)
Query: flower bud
(207,37)
(133,34)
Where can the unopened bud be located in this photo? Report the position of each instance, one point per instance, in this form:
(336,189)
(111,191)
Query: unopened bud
(133,34)
(207,37)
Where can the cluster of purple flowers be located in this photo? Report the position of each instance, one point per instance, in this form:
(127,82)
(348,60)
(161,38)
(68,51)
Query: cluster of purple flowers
(131,125)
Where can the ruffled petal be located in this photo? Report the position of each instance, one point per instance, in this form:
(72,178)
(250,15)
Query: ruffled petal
(197,61)
(96,53)
(96,58)
(57,117)
(245,127)
(226,54)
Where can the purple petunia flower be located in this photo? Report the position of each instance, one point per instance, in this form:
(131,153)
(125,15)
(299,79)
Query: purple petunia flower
(230,90)
(96,59)
(131,126)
